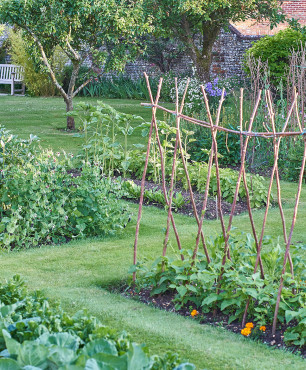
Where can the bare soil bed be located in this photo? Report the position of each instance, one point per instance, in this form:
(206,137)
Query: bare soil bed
(211,209)
(165,302)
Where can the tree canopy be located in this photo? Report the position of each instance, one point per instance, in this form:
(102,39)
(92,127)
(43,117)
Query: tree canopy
(106,32)
(197,23)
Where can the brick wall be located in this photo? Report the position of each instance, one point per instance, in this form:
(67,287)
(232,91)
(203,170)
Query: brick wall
(296,9)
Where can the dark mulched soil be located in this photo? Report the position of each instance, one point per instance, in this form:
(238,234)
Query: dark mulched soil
(211,209)
(164,302)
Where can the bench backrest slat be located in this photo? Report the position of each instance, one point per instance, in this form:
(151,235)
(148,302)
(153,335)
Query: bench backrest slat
(6,72)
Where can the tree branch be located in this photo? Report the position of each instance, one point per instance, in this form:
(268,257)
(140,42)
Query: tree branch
(188,39)
(74,55)
(73,52)
(74,75)
(47,64)
(81,87)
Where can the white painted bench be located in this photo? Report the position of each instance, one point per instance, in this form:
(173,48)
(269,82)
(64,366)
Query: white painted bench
(11,74)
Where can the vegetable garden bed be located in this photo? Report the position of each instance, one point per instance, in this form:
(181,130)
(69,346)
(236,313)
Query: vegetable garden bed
(181,201)
(165,302)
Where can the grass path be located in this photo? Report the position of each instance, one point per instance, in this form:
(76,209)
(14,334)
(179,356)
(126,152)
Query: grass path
(78,274)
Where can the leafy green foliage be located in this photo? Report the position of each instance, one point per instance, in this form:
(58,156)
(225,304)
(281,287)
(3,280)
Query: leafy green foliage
(260,153)
(296,25)
(163,52)
(41,201)
(276,51)
(228,147)
(197,283)
(84,73)
(290,160)
(3,45)
(228,180)
(100,127)
(13,150)
(194,101)
(166,93)
(120,87)
(37,81)
(36,334)
(187,18)
(296,334)
(73,26)
(198,176)
(102,124)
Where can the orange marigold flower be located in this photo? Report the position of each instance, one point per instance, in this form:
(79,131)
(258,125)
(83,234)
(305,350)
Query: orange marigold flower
(249,325)
(262,328)
(194,313)
(246,332)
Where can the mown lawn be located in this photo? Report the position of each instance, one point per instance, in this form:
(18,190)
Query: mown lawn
(80,273)
(45,117)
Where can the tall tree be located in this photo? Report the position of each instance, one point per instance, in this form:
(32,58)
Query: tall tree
(197,23)
(104,31)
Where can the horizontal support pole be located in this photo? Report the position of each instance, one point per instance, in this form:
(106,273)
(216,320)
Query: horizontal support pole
(198,122)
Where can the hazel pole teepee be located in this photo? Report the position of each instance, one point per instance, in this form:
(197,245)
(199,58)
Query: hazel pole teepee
(244,137)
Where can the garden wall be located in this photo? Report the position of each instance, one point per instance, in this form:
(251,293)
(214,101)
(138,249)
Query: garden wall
(228,53)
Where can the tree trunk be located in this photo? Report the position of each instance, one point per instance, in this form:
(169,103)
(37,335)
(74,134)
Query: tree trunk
(202,62)
(76,62)
(70,119)
(200,51)
(203,58)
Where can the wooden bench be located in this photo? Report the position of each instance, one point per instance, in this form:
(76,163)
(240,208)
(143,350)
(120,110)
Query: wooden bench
(11,74)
